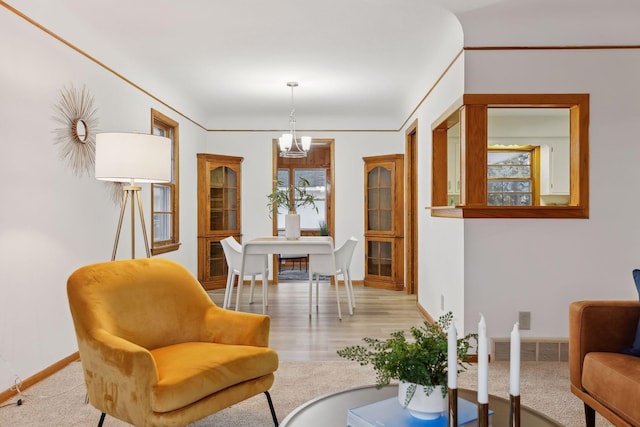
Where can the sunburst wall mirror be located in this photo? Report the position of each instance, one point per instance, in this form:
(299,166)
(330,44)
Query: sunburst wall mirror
(77,135)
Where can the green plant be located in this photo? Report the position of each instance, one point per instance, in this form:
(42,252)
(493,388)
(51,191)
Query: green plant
(324,228)
(421,361)
(282,197)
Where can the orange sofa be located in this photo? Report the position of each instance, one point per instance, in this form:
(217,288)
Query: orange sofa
(606,380)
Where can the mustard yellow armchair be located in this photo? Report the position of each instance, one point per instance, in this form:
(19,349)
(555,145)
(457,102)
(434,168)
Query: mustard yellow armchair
(156,351)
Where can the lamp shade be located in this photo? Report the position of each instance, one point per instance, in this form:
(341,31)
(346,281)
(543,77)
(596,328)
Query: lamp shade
(306,143)
(285,141)
(123,157)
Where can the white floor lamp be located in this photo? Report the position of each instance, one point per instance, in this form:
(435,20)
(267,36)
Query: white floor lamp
(132,158)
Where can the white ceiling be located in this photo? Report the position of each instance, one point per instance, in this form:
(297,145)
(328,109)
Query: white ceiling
(360,64)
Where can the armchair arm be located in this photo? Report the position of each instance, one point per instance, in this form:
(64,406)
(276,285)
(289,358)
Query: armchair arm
(117,370)
(236,327)
(607,326)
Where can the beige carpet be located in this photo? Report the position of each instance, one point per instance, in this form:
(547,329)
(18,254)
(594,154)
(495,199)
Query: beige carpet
(59,400)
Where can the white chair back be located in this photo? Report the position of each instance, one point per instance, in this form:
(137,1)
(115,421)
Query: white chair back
(334,263)
(253,264)
(344,253)
(322,263)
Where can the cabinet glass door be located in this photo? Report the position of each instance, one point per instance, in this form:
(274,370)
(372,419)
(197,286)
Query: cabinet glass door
(216,262)
(379,257)
(223,199)
(379,204)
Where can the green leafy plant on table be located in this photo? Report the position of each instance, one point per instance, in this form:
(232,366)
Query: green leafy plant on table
(282,197)
(419,361)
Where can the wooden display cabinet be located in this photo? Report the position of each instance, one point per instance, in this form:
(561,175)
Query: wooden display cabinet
(219,214)
(384,221)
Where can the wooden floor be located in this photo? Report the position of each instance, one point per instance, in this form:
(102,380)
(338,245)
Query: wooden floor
(296,336)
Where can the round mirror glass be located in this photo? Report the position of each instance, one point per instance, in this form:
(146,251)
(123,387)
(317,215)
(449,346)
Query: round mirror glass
(81,131)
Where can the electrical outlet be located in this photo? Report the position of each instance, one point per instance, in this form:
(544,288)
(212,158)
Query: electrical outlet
(524,319)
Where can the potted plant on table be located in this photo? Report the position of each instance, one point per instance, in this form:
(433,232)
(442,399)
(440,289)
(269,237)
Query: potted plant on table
(291,198)
(420,364)
(324,228)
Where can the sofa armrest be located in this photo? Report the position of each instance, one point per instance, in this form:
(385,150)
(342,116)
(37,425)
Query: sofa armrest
(607,326)
(236,327)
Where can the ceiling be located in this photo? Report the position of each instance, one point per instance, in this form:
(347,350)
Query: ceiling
(360,64)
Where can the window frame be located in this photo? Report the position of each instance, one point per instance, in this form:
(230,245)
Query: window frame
(160,120)
(471,112)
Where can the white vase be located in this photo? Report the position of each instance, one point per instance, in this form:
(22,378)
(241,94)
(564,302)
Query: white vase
(422,406)
(292,226)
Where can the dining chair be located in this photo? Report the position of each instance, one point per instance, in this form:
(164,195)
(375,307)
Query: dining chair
(253,265)
(335,263)
(343,256)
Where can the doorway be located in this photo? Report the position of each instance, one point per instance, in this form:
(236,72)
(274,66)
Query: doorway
(411,208)
(317,168)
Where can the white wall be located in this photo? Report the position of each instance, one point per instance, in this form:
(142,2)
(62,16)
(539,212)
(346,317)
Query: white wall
(542,265)
(52,222)
(257,175)
(440,240)
(475,265)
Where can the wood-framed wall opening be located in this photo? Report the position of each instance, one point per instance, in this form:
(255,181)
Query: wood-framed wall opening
(320,156)
(471,113)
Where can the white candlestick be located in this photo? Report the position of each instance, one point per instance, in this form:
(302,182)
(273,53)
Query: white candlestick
(514,367)
(452,357)
(483,363)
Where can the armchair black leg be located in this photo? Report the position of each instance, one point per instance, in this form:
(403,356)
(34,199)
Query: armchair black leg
(273,411)
(101,420)
(589,416)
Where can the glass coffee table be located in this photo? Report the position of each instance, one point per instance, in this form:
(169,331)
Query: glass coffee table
(331,409)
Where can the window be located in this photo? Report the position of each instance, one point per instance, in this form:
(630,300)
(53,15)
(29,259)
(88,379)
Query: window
(164,201)
(309,218)
(479,169)
(511,177)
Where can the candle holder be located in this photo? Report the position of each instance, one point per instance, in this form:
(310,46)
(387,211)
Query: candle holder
(453,407)
(483,415)
(514,411)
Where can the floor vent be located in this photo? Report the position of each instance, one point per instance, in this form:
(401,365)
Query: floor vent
(533,350)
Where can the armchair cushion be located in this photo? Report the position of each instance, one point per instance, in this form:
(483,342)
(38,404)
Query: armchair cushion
(613,381)
(187,372)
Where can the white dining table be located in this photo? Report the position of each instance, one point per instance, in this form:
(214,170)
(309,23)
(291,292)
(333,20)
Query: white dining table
(281,245)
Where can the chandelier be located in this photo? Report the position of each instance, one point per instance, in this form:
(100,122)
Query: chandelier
(290,145)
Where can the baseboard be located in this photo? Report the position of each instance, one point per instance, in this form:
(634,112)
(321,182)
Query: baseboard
(533,349)
(35,379)
(424,313)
